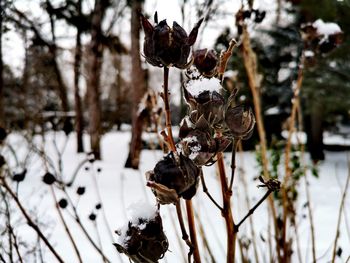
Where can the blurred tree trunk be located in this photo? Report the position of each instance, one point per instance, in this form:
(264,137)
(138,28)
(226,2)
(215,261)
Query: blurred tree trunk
(314,131)
(77,98)
(138,86)
(118,91)
(96,55)
(2,120)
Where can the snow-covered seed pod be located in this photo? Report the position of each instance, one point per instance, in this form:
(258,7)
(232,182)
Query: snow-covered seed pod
(173,177)
(142,239)
(204,98)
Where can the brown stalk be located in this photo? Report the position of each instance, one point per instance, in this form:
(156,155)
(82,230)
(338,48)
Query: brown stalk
(342,203)
(167,110)
(227,212)
(65,226)
(30,222)
(288,148)
(250,63)
(170,141)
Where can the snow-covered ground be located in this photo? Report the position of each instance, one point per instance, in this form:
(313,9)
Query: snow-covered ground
(119,187)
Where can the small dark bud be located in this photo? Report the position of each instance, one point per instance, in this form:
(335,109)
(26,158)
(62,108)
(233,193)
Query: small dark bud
(205,61)
(99,169)
(92,217)
(19,177)
(240,120)
(80,190)
(92,160)
(49,178)
(86,168)
(3,134)
(2,160)
(63,203)
(98,206)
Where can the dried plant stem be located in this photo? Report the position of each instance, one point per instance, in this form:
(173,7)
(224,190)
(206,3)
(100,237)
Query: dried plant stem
(183,229)
(342,203)
(227,212)
(205,190)
(66,228)
(288,149)
(170,140)
(171,143)
(224,57)
(233,162)
(30,222)
(245,186)
(192,230)
(250,63)
(183,253)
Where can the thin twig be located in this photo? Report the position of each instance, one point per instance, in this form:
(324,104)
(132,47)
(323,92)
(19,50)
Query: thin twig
(170,140)
(30,222)
(205,190)
(185,236)
(66,228)
(192,230)
(233,162)
(342,203)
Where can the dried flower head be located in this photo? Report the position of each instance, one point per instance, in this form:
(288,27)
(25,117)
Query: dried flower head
(204,98)
(198,142)
(240,121)
(143,239)
(165,46)
(173,177)
(205,61)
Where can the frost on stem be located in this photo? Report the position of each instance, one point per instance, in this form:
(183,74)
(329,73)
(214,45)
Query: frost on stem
(142,239)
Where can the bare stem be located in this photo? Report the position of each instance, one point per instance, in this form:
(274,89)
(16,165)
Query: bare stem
(226,212)
(252,210)
(250,63)
(205,190)
(167,110)
(342,203)
(233,162)
(66,228)
(183,229)
(192,229)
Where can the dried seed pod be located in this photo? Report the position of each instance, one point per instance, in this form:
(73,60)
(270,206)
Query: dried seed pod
(63,203)
(205,61)
(49,178)
(240,121)
(198,143)
(173,177)
(165,46)
(143,240)
(19,177)
(80,190)
(204,99)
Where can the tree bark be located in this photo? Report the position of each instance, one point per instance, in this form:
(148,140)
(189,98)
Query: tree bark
(138,87)
(2,119)
(96,54)
(77,98)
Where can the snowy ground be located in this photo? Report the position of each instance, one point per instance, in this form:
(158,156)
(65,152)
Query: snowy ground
(120,187)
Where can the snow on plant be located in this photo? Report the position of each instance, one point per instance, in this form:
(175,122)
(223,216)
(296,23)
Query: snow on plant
(213,122)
